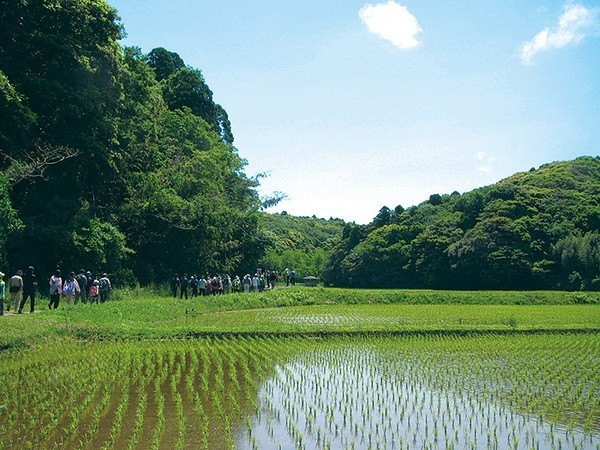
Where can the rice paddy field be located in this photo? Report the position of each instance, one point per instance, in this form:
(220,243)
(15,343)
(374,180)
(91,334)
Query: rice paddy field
(291,371)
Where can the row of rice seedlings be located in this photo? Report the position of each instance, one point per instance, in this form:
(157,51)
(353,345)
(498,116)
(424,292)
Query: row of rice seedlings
(342,396)
(53,395)
(437,392)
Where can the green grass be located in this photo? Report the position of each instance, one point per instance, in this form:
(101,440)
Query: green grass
(143,315)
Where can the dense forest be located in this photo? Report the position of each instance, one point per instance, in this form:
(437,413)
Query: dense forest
(303,244)
(112,159)
(533,230)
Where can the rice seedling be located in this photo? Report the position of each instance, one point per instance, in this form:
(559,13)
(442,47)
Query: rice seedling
(430,391)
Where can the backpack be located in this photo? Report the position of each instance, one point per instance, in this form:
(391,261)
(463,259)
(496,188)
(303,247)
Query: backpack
(53,286)
(81,280)
(69,287)
(94,291)
(103,284)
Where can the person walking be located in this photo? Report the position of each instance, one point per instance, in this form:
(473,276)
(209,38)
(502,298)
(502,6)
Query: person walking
(175,285)
(104,288)
(194,285)
(2,293)
(83,287)
(70,287)
(29,287)
(183,287)
(246,282)
(16,290)
(89,279)
(55,289)
(202,286)
(94,294)
(227,284)
(214,285)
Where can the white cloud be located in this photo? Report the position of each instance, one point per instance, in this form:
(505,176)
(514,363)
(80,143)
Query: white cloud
(485,162)
(573,26)
(392,22)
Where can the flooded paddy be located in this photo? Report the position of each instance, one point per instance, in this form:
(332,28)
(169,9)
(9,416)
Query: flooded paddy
(441,391)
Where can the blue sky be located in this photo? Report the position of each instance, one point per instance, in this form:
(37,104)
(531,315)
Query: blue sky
(352,105)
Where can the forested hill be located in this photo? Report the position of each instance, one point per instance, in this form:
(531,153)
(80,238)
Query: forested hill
(537,229)
(300,243)
(111,159)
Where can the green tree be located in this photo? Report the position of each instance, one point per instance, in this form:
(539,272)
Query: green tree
(164,62)
(383,217)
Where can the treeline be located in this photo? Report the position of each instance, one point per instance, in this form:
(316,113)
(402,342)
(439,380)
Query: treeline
(533,230)
(112,159)
(303,244)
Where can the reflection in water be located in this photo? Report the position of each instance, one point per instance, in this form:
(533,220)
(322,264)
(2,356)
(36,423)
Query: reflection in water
(434,391)
(366,396)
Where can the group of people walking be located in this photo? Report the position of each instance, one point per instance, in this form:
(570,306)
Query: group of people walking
(74,288)
(86,288)
(195,285)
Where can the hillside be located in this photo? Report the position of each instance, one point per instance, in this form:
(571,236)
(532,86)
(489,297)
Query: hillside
(535,229)
(300,243)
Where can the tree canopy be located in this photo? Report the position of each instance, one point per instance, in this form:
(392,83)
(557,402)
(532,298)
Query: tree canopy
(112,159)
(302,244)
(537,229)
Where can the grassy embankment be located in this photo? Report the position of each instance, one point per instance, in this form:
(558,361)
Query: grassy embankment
(143,315)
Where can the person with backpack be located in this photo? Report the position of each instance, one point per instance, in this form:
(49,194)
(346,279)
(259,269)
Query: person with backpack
(246,282)
(55,289)
(29,287)
(214,285)
(104,287)
(83,287)
(227,284)
(70,287)
(194,285)
(94,293)
(16,289)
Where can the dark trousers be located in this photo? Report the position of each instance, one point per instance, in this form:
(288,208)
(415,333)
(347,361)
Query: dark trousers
(103,296)
(54,300)
(183,293)
(1,306)
(194,291)
(26,295)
